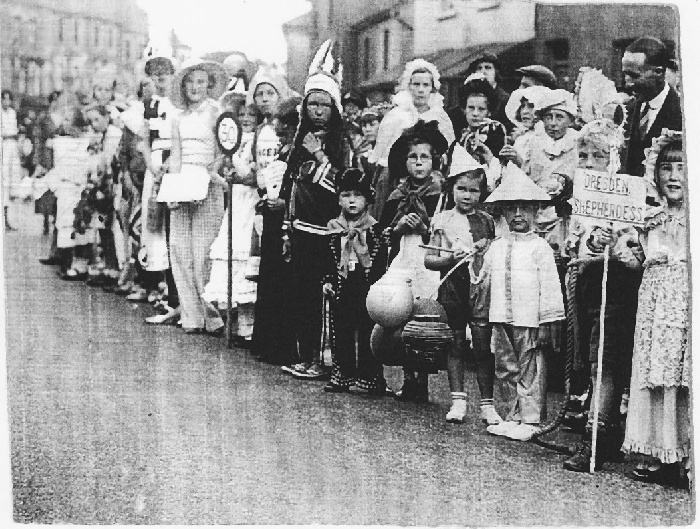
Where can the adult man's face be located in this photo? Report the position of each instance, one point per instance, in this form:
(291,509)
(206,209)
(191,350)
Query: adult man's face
(645,81)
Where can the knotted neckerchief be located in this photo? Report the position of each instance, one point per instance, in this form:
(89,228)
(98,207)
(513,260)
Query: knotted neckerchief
(411,199)
(353,240)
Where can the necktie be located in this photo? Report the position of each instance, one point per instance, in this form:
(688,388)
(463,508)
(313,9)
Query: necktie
(644,119)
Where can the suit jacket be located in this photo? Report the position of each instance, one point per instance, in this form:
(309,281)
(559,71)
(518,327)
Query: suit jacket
(669,117)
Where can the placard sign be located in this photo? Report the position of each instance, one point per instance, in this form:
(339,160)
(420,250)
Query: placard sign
(609,197)
(228,133)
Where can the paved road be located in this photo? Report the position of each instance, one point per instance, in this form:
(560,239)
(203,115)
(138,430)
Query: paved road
(116,422)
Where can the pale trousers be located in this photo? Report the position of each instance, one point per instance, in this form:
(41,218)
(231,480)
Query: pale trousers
(521,372)
(11,168)
(193,228)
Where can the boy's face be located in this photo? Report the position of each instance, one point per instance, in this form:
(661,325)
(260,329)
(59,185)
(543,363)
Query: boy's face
(248,118)
(6,101)
(556,122)
(351,110)
(319,107)
(369,130)
(520,216)
(102,93)
(98,122)
(591,157)
(419,161)
(162,79)
(467,192)
(352,203)
(476,110)
(488,70)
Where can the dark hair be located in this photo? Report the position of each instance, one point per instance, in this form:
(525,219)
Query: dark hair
(9,93)
(334,141)
(152,64)
(53,96)
(676,145)
(142,84)
(353,179)
(288,111)
(654,50)
(473,174)
(486,57)
(479,87)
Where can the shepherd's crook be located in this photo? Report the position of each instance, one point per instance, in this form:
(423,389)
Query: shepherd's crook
(599,374)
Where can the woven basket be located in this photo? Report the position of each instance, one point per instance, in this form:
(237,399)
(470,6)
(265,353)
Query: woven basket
(427,341)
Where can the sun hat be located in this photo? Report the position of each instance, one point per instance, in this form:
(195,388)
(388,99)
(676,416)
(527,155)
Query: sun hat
(533,94)
(425,132)
(213,69)
(558,99)
(516,186)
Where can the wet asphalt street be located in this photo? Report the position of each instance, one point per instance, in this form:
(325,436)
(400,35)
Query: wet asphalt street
(113,421)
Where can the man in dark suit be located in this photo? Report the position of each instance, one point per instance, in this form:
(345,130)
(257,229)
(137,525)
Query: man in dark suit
(657,105)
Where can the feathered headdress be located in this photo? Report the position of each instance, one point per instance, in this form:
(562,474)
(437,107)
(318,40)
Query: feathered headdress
(326,74)
(602,110)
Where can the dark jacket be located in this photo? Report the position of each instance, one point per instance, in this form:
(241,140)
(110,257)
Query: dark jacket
(670,116)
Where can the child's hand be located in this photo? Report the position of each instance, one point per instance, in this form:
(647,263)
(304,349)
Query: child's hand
(459,254)
(311,143)
(509,153)
(484,152)
(274,203)
(408,222)
(482,246)
(328,290)
(602,237)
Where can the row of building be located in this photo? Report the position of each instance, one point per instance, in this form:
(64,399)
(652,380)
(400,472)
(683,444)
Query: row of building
(376,38)
(50,45)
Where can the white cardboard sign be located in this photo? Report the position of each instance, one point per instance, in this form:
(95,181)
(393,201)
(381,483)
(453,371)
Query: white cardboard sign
(609,197)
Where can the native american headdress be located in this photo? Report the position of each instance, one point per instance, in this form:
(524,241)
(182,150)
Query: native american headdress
(326,74)
(602,110)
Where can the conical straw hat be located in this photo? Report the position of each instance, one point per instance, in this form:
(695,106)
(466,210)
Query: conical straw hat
(462,161)
(516,186)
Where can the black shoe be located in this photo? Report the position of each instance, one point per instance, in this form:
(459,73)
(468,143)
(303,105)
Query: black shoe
(408,392)
(50,261)
(666,475)
(581,460)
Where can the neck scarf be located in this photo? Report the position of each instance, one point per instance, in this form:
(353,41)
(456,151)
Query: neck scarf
(353,240)
(411,199)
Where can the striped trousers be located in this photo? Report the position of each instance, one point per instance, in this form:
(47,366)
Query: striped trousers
(193,228)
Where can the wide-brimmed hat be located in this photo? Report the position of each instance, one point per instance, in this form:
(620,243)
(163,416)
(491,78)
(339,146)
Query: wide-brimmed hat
(540,73)
(483,57)
(516,186)
(532,94)
(213,69)
(558,99)
(425,132)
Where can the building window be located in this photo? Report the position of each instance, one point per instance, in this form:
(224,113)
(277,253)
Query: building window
(77,31)
(60,30)
(97,35)
(385,50)
(111,37)
(127,50)
(365,59)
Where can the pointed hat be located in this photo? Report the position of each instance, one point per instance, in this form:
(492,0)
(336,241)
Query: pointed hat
(462,161)
(326,74)
(516,186)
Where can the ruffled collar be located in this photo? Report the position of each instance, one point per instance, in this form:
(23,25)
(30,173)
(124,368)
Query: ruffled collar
(555,148)
(404,100)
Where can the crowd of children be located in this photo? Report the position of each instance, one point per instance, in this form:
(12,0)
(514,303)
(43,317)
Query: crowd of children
(332,197)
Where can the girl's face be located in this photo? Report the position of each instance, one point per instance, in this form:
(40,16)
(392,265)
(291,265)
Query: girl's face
(196,86)
(248,118)
(266,98)
(98,122)
(527,114)
(420,87)
(467,193)
(672,179)
(476,110)
(556,122)
(102,94)
(6,101)
(591,157)
(419,161)
(520,216)
(352,203)
(369,130)
(319,106)
(488,70)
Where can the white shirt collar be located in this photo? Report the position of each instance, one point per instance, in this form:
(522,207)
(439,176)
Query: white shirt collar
(659,99)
